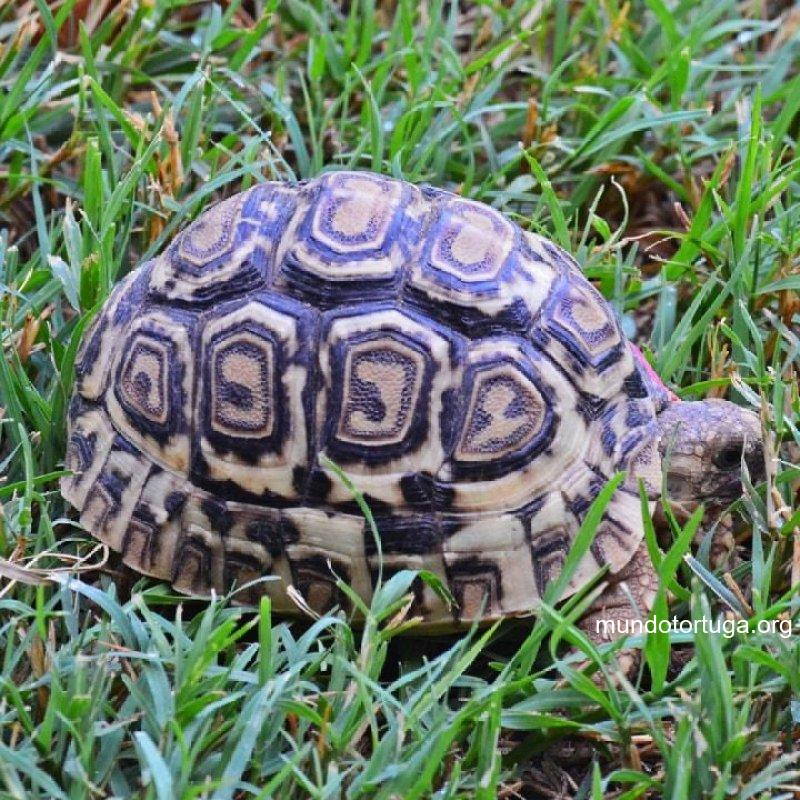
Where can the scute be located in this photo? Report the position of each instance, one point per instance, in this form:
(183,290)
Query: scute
(469,244)
(103,337)
(500,291)
(149,396)
(354,233)
(517,432)
(385,382)
(509,412)
(461,372)
(227,250)
(579,331)
(252,395)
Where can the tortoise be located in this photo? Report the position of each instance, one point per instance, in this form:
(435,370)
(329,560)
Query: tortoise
(459,370)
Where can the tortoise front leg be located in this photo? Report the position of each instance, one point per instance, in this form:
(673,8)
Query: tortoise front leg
(722,553)
(605,620)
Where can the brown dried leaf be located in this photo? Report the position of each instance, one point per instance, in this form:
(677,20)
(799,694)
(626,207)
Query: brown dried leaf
(27,338)
(531,123)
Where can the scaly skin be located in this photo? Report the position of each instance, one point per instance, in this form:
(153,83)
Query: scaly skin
(703,446)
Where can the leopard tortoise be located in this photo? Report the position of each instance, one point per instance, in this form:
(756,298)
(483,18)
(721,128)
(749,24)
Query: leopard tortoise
(461,371)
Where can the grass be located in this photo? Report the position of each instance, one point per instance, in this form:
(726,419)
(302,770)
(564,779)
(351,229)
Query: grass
(655,139)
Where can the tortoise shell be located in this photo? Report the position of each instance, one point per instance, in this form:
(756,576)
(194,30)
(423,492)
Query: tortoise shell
(461,372)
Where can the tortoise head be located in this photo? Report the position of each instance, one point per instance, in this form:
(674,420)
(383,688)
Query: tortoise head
(705,445)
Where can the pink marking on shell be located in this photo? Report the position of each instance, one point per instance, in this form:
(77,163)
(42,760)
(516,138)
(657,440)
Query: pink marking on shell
(654,376)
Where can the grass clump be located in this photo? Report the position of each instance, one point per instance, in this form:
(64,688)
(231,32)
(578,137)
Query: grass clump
(654,140)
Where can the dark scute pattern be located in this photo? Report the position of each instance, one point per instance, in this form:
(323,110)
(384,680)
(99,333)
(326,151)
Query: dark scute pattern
(207,247)
(253,400)
(141,538)
(471,320)
(450,418)
(230,490)
(209,238)
(636,415)
(121,307)
(77,407)
(193,567)
(174,503)
(249,276)
(608,439)
(243,402)
(470,296)
(316,488)
(451,221)
(369,241)
(580,504)
(114,481)
(443,497)
(500,433)
(329,294)
(367,397)
(418,488)
(412,534)
(149,382)
(598,347)
(273,533)
(631,442)
(591,407)
(218,515)
(124,446)
(366,240)
(479,438)
(422,492)
(242,568)
(81,451)
(112,484)
(319,268)
(634,385)
(146,390)
(315,578)
(106,494)
(207,243)
(377,506)
(475,583)
(549,551)
(411,412)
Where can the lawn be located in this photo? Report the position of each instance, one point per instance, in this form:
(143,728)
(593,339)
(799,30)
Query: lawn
(656,140)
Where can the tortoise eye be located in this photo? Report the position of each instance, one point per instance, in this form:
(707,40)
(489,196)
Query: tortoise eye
(729,457)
